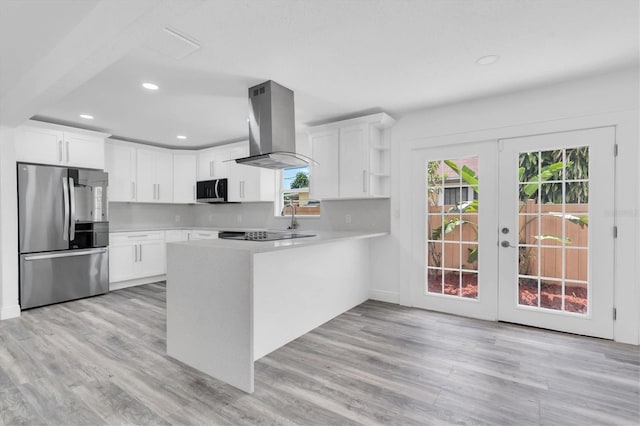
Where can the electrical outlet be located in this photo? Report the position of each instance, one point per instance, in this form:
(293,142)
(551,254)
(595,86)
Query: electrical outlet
(177,218)
(347,219)
(239,218)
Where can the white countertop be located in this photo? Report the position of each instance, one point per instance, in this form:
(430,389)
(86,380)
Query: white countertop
(321,237)
(183,228)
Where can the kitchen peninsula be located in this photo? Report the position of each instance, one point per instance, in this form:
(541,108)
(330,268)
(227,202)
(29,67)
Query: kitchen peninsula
(229,302)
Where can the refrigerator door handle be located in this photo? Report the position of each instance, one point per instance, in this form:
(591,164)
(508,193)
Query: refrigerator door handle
(65,254)
(72,198)
(65,220)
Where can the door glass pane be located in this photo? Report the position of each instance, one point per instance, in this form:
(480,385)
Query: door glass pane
(452,227)
(554,229)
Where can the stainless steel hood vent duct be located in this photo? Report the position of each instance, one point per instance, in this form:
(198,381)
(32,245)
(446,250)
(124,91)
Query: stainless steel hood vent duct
(272,130)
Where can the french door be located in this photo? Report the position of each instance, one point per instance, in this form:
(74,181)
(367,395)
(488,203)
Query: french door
(557,231)
(518,230)
(454,263)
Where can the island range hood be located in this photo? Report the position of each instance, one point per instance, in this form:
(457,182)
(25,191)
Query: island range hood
(272,132)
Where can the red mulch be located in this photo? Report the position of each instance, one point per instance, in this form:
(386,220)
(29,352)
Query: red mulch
(452,284)
(551,294)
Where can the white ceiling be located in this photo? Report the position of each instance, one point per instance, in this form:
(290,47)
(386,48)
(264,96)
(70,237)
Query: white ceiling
(340,57)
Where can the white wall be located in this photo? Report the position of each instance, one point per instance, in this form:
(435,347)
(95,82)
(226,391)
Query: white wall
(9,307)
(607,99)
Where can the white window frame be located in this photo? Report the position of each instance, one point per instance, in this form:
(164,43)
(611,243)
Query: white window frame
(280,191)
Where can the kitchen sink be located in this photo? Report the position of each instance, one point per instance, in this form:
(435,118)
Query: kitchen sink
(261,235)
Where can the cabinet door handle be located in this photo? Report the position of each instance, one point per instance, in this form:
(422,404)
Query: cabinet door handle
(158,192)
(60,151)
(210,168)
(135,251)
(140,245)
(67,152)
(364,181)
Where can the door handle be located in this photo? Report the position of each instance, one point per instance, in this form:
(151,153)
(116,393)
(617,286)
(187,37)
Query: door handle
(60,151)
(65,254)
(135,253)
(364,181)
(506,244)
(65,198)
(140,245)
(67,152)
(72,218)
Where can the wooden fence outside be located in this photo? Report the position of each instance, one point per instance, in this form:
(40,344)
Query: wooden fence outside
(550,252)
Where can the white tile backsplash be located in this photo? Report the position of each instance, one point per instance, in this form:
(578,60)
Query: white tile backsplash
(365,215)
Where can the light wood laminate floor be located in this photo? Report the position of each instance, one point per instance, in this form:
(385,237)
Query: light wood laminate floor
(102,361)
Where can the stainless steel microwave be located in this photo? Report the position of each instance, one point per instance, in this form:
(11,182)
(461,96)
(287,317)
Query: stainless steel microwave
(212,191)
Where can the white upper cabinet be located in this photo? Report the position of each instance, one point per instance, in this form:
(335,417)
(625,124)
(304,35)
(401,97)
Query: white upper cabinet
(354,161)
(184,177)
(206,164)
(353,158)
(138,172)
(120,163)
(324,175)
(154,175)
(248,183)
(60,145)
(213,163)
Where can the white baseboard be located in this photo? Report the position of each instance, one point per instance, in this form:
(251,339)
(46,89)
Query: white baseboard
(140,281)
(385,296)
(11,311)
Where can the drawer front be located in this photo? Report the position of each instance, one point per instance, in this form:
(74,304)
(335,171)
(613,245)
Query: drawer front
(204,235)
(124,237)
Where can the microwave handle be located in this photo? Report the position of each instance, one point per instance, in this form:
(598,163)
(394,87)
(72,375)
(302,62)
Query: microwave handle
(217,191)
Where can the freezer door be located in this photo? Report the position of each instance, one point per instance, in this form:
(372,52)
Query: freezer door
(43,209)
(47,278)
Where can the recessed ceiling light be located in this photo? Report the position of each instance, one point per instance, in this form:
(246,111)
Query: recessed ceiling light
(487,60)
(86,116)
(181,137)
(150,86)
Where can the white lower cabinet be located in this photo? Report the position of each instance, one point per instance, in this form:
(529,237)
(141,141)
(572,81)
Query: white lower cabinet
(136,255)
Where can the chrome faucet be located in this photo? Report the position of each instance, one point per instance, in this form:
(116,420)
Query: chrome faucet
(294,223)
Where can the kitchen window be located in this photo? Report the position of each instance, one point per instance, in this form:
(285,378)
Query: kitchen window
(294,189)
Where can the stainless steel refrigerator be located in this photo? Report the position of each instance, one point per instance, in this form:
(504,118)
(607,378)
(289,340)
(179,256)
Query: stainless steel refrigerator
(63,234)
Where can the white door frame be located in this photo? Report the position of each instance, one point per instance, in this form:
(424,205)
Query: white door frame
(467,307)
